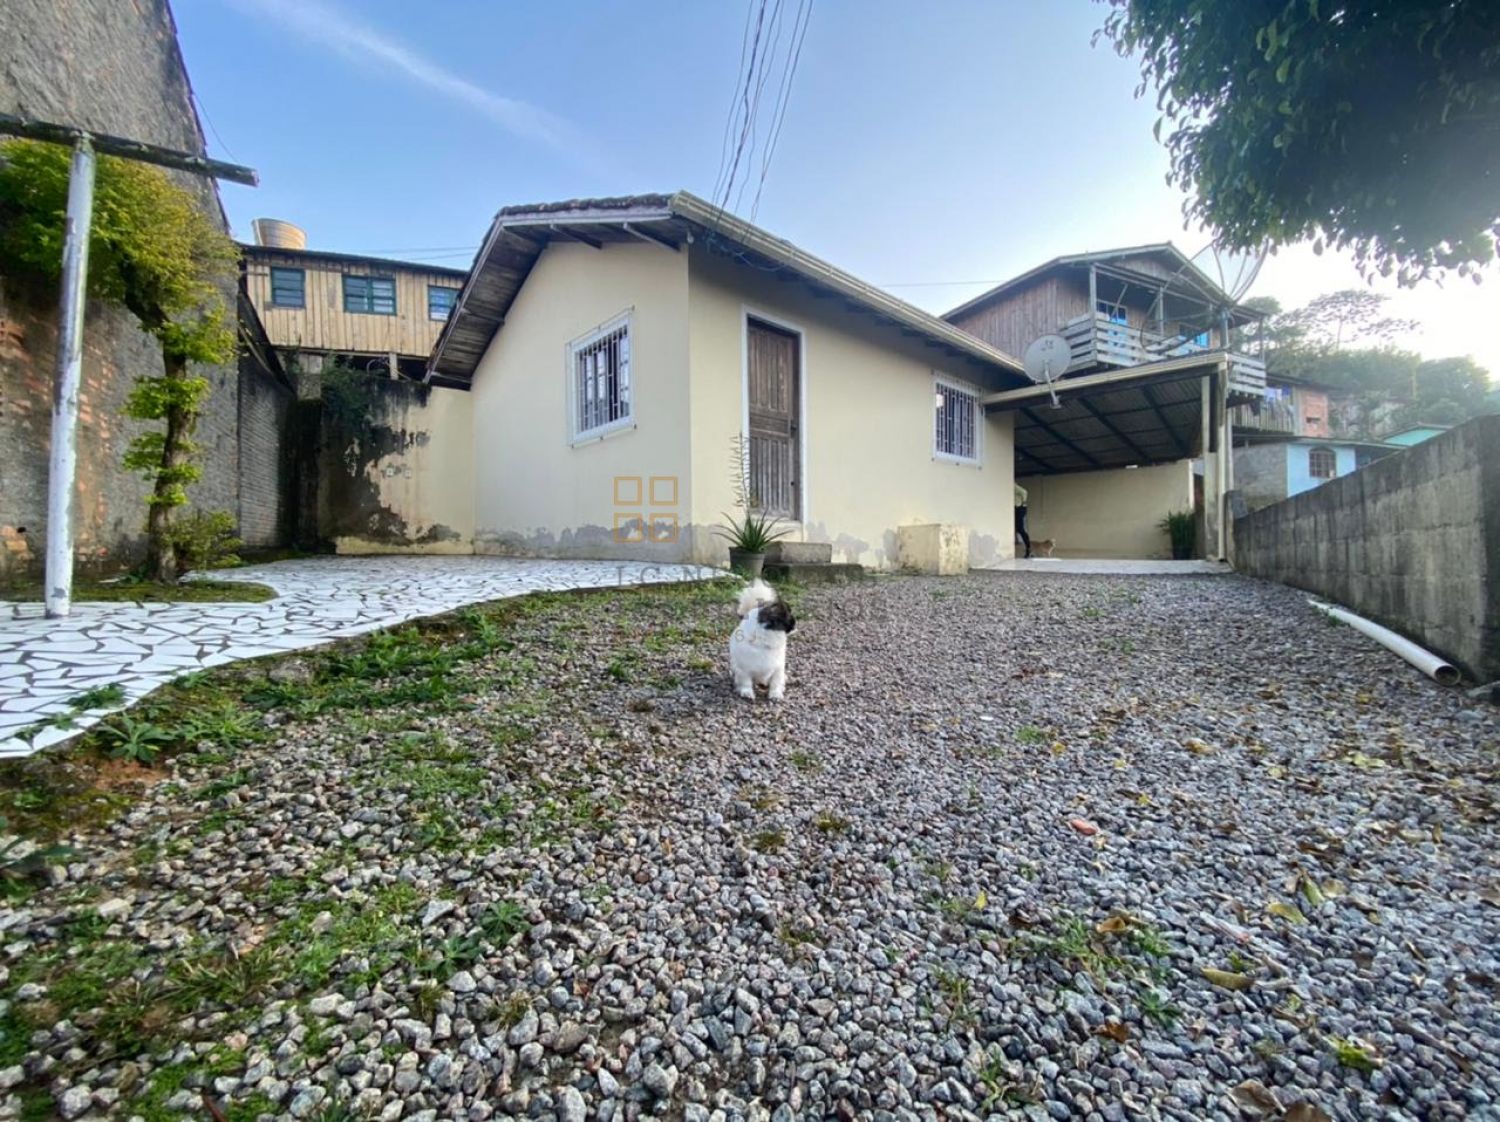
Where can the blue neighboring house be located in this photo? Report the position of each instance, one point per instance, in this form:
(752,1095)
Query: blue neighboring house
(1414,434)
(1267,472)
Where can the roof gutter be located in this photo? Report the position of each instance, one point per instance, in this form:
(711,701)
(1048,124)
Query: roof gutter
(1167,370)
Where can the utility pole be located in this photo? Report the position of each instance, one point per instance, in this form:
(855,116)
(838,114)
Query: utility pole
(58,589)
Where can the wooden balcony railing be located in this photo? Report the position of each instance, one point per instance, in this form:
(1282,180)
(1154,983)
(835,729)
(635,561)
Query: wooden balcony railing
(1097,341)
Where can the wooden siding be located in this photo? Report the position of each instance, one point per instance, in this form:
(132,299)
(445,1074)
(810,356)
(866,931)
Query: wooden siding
(323,325)
(1024,314)
(1051,303)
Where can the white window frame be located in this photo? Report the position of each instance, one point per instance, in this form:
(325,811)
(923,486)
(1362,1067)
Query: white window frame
(943,382)
(625,321)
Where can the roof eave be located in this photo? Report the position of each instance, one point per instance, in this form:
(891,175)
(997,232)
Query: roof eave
(687,207)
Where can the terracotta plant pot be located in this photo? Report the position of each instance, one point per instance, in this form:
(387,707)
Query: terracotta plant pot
(746,564)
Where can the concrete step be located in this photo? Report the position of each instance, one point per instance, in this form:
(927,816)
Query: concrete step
(811,572)
(799,553)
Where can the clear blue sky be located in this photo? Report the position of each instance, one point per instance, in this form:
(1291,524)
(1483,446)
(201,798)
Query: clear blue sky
(950,141)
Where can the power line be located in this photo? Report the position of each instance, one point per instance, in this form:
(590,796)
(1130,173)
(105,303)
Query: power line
(783,98)
(746,114)
(753,121)
(734,97)
(203,111)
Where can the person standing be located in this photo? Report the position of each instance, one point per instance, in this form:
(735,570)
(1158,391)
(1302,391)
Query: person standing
(1021,518)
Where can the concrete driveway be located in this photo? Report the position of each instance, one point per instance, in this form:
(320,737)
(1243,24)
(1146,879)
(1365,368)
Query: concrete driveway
(46,663)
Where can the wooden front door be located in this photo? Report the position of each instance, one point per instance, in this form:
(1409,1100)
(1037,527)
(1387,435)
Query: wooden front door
(774,397)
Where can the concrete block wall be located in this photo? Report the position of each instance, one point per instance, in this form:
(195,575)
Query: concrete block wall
(1411,541)
(266,462)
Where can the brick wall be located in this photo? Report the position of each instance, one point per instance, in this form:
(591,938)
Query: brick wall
(111,66)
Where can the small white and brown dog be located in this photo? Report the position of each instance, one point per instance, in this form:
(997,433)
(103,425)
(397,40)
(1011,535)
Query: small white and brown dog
(757,649)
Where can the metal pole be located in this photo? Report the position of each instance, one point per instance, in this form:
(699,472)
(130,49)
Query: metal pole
(59,590)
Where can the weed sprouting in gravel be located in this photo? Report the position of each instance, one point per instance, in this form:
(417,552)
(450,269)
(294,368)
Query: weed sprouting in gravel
(827,822)
(957,994)
(1155,1006)
(768,841)
(1353,1054)
(805,762)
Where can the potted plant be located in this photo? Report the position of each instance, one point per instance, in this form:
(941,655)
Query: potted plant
(751,531)
(749,534)
(1181,526)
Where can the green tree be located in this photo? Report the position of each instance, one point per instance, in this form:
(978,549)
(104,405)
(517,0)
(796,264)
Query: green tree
(153,250)
(1350,315)
(1341,339)
(1374,127)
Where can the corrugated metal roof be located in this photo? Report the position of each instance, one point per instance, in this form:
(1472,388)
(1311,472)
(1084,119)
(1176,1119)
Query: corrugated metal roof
(1132,417)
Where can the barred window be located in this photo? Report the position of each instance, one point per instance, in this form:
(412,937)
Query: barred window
(1322,463)
(601,380)
(956,428)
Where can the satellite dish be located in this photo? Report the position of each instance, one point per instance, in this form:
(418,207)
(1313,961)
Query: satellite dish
(1046,360)
(1233,270)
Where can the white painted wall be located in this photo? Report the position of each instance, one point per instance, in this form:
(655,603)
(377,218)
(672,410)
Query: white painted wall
(535,491)
(867,428)
(429,481)
(1108,513)
(869,466)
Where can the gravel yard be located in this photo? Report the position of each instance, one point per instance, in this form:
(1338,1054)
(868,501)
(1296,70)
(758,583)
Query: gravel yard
(537,860)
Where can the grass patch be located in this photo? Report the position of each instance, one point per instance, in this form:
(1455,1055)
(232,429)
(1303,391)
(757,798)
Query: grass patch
(806,762)
(1119,945)
(768,841)
(827,822)
(130,590)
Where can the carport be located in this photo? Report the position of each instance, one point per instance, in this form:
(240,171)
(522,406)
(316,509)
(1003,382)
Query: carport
(1157,413)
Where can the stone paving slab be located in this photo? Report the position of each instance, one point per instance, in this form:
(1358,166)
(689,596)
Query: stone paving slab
(44,663)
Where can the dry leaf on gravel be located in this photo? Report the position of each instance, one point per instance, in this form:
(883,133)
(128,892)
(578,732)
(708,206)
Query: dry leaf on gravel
(1289,912)
(1228,979)
(1255,1099)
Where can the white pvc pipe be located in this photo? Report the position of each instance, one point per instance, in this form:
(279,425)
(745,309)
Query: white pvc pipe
(1443,673)
(60,475)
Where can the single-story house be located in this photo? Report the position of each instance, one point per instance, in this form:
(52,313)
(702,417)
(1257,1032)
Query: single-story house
(621,355)
(1413,435)
(1267,472)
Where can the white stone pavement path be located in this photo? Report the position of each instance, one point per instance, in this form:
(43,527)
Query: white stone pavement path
(45,663)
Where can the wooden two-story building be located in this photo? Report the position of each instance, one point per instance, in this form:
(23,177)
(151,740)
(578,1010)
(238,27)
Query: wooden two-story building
(373,313)
(1131,428)
(378,443)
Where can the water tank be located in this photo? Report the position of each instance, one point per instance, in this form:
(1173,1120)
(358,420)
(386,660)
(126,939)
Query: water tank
(276,234)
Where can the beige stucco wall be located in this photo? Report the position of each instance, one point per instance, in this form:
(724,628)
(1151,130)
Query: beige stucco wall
(867,426)
(1108,513)
(428,482)
(536,492)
